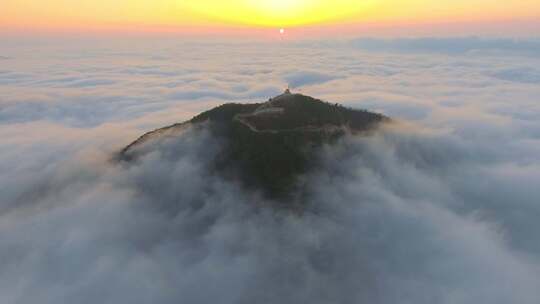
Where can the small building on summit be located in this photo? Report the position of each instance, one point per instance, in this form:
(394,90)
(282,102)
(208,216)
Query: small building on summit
(287,91)
(269,107)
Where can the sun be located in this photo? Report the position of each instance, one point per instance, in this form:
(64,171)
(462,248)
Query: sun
(282,31)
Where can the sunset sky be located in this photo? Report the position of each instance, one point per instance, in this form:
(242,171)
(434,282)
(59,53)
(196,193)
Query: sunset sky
(438,203)
(71,15)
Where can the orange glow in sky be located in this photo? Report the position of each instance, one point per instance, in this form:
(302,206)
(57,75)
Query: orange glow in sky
(81,14)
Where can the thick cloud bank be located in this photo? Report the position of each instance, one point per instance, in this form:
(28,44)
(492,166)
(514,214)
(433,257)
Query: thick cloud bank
(441,210)
(392,218)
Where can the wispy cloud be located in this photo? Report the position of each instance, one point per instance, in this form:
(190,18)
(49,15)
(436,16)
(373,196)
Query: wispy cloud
(524,75)
(303,78)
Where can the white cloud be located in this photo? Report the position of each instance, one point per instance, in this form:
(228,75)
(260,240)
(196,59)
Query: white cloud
(442,209)
(452,45)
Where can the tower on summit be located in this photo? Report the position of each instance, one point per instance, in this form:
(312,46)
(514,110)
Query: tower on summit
(287,91)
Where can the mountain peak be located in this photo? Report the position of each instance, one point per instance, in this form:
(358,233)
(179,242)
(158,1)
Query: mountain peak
(268,145)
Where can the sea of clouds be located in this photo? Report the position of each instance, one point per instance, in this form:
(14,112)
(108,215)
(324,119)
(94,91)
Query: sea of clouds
(442,206)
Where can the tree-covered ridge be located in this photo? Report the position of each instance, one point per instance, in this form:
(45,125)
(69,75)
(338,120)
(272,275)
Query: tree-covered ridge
(300,111)
(225,112)
(267,146)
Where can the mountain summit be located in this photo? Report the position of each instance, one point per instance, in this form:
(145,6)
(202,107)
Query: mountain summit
(267,145)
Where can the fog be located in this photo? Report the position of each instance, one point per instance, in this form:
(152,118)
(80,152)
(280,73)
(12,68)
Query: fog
(440,206)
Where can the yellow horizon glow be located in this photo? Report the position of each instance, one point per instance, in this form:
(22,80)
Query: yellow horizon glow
(66,14)
(279,13)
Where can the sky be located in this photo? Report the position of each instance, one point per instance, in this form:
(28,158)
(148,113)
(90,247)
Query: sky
(440,207)
(250,16)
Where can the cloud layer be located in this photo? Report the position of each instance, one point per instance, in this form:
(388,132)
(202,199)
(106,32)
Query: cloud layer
(440,209)
(451,45)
